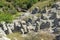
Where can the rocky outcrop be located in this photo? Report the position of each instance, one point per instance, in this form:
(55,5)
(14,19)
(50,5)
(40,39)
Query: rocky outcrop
(48,21)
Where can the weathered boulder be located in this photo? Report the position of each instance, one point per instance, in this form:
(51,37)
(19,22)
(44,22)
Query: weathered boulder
(36,10)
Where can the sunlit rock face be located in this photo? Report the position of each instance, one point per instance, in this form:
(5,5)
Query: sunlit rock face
(3,36)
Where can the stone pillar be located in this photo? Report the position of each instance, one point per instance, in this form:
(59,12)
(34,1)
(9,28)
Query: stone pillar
(29,28)
(24,25)
(51,24)
(58,14)
(22,31)
(38,25)
(25,28)
(12,26)
(9,29)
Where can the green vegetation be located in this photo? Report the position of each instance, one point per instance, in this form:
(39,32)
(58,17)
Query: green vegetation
(6,17)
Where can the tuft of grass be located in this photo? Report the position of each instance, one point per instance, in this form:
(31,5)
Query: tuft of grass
(40,36)
(32,36)
(14,36)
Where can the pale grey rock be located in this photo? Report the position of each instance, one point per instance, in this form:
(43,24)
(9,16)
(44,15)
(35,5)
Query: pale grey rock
(24,25)
(27,14)
(58,14)
(9,29)
(17,23)
(53,10)
(51,22)
(11,26)
(51,30)
(4,25)
(38,25)
(3,35)
(22,30)
(58,3)
(31,27)
(2,32)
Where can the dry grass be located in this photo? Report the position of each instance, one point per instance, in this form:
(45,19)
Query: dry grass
(32,36)
(41,4)
(42,35)
(17,36)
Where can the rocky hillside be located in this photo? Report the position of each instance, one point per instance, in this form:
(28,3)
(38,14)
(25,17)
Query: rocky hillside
(8,8)
(30,20)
